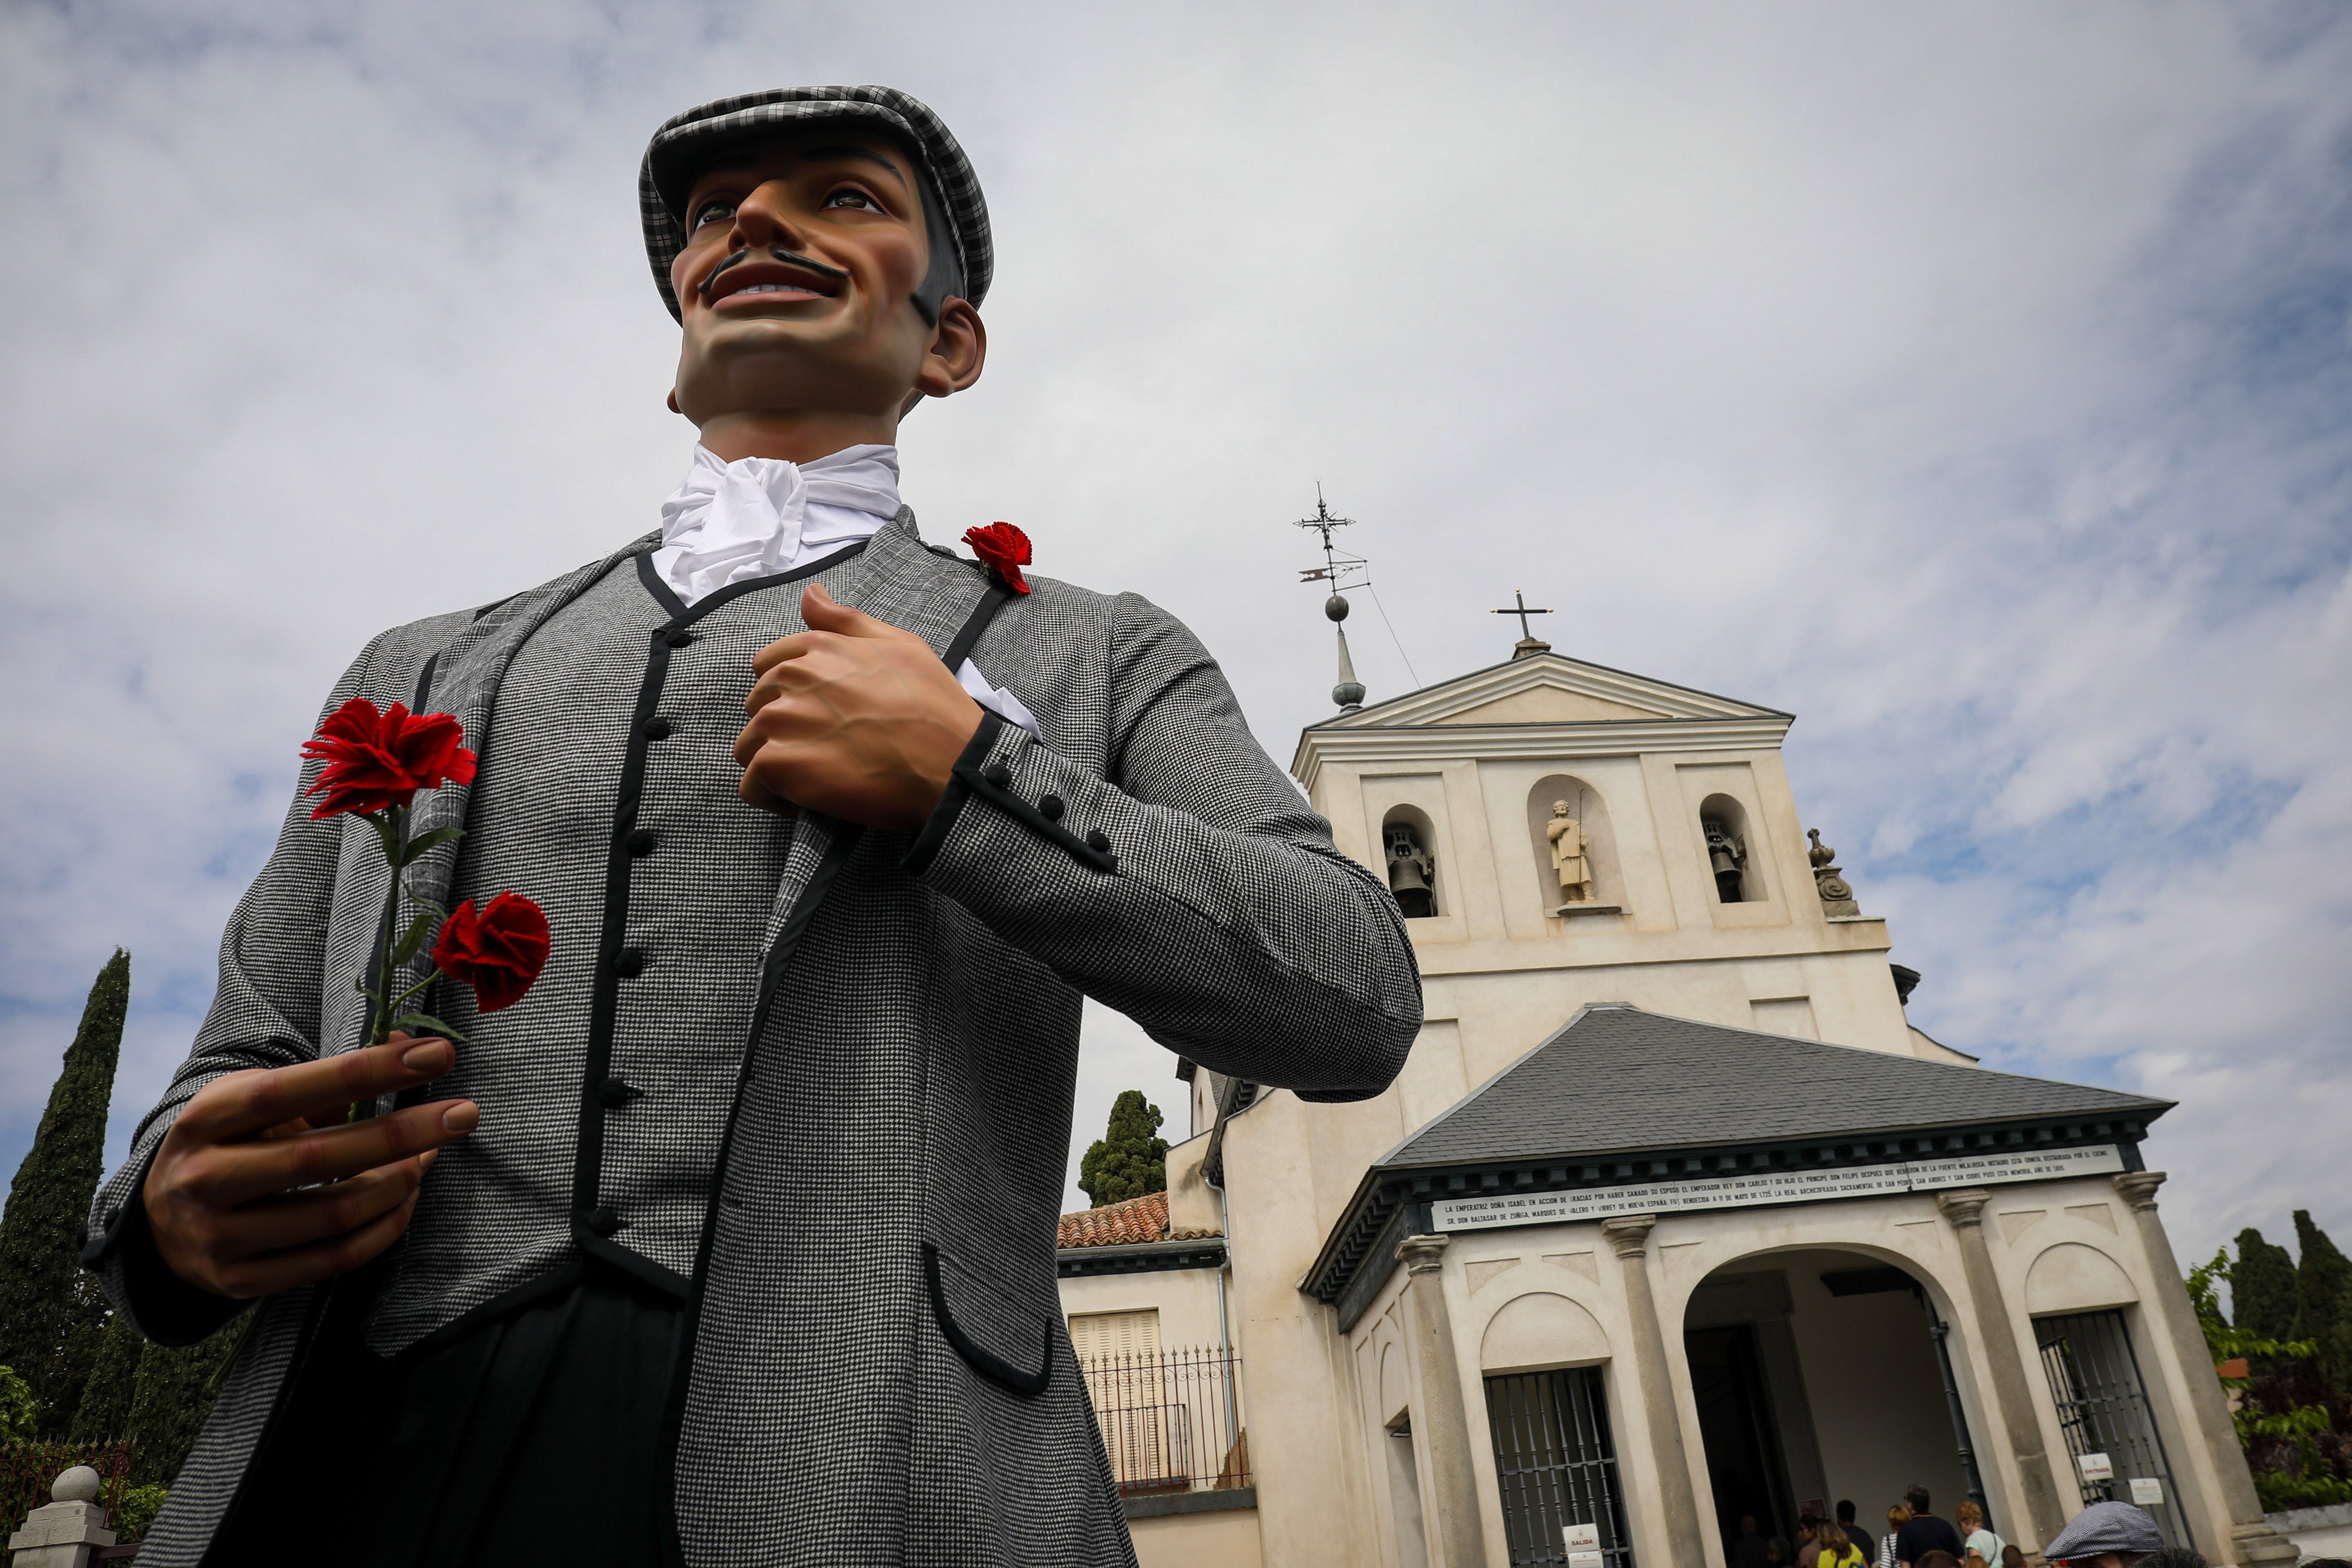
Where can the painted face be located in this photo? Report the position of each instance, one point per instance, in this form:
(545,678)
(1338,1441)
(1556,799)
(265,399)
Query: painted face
(796,283)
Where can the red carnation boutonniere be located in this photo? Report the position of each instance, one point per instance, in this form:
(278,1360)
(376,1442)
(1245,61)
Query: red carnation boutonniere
(1004,549)
(374,763)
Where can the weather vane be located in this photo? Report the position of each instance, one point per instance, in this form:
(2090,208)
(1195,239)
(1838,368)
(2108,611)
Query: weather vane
(1340,570)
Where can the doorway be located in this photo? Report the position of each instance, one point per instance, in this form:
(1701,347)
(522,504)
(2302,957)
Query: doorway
(1819,1378)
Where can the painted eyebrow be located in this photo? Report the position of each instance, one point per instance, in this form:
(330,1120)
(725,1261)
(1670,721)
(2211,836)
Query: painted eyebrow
(827,154)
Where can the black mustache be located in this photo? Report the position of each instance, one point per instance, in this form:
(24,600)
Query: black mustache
(790,258)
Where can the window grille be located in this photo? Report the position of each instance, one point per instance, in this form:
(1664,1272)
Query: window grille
(1168,1418)
(1558,1464)
(2103,1409)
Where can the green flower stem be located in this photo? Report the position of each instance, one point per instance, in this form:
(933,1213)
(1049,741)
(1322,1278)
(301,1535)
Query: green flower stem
(394,832)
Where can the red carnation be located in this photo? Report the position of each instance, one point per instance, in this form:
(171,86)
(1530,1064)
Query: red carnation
(1004,549)
(499,952)
(375,760)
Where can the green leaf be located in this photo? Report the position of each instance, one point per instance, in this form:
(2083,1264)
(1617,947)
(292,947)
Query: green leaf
(419,848)
(386,833)
(412,939)
(417,898)
(410,1021)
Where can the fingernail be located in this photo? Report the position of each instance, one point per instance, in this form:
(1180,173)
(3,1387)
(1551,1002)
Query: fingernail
(426,1057)
(425,1162)
(461,1117)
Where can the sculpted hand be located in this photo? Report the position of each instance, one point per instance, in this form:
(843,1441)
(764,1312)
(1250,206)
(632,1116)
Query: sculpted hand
(221,1197)
(852,717)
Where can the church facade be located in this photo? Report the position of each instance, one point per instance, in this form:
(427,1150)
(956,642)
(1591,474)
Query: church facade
(1672,1220)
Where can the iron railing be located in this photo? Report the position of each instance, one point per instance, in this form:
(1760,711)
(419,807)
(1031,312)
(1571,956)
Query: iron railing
(1557,1461)
(27,1470)
(2103,1409)
(1171,1420)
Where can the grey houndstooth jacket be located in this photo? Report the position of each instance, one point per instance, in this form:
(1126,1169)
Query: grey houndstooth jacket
(877,1369)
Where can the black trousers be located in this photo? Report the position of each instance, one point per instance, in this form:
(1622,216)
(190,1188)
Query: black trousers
(535,1437)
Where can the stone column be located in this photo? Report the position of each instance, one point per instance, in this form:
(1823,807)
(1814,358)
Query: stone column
(1629,1234)
(2251,1540)
(1439,1414)
(65,1533)
(2045,1511)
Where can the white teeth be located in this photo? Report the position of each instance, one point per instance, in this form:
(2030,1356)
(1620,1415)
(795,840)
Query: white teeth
(772,288)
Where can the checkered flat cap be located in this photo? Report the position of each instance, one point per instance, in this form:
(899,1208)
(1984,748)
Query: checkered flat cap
(687,142)
(2102,1528)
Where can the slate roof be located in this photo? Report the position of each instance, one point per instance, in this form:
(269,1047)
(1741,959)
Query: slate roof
(1617,1080)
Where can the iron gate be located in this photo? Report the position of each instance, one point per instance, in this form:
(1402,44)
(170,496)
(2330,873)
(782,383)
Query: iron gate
(1558,1464)
(2103,1406)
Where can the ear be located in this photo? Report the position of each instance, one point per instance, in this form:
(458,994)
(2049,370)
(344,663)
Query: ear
(959,350)
(673,401)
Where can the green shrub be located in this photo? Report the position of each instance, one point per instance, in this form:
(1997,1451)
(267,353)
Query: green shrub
(137,1512)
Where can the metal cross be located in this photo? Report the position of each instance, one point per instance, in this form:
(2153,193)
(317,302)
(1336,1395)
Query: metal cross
(1523,610)
(1336,561)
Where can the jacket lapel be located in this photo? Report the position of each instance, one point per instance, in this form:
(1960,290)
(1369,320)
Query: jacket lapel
(896,580)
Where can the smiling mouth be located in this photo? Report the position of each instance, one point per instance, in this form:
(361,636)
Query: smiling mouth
(780,275)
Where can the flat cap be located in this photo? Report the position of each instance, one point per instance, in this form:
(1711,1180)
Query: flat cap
(2105,1527)
(687,142)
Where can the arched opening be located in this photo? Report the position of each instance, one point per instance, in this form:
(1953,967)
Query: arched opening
(1723,822)
(1406,841)
(1822,1377)
(1576,842)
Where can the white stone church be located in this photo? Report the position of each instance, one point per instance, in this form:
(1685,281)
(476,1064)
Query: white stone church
(1672,1217)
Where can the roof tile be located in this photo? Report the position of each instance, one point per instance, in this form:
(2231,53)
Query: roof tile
(1127,1224)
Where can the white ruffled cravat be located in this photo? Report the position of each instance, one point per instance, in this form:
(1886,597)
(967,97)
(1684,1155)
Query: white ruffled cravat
(755,517)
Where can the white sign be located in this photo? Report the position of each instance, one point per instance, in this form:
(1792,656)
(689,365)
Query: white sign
(1750,1188)
(2146,1490)
(1581,1538)
(1584,1560)
(2095,1466)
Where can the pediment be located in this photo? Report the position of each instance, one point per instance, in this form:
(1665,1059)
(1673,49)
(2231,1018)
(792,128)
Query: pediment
(1547,688)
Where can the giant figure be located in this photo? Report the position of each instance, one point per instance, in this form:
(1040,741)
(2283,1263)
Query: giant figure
(732,1243)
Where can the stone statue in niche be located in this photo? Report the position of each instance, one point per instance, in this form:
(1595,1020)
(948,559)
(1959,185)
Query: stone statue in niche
(1567,858)
(1726,857)
(1410,871)
(1837,896)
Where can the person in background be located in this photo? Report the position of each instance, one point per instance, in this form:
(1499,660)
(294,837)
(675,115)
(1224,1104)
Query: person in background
(2012,1557)
(2106,1535)
(1924,1532)
(2179,1557)
(1939,1558)
(1897,1517)
(1975,1537)
(1809,1540)
(1838,1549)
(1751,1549)
(1856,1535)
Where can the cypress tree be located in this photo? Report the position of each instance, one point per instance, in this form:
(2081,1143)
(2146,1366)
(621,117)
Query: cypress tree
(2323,1295)
(1127,1161)
(104,1411)
(2262,1288)
(40,1230)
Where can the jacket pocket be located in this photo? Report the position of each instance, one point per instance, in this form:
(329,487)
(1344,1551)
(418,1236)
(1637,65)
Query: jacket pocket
(1004,1341)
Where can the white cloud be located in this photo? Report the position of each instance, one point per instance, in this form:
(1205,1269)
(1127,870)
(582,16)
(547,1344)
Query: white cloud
(1968,383)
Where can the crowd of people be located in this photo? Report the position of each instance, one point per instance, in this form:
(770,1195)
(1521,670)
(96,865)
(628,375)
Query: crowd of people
(2103,1535)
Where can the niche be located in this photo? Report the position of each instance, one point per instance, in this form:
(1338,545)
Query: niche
(1589,835)
(1723,822)
(1405,839)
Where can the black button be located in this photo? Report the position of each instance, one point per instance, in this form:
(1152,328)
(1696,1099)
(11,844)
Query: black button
(603,1220)
(643,840)
(658,729)
(1098,840)
(679,638)
(1052,807)
(616,1092)
(998,774)
(630,963)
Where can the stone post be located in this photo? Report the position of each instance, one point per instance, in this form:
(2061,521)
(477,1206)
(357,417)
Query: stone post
(2045,1513)
(64,1533)
(1439,1414)
(1629,1234)
(2251,1540)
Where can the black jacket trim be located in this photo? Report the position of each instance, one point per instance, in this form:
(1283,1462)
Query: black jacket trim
(986,1362)
(683,615)
(926,847)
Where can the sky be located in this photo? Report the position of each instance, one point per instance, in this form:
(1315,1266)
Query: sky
(1970,381)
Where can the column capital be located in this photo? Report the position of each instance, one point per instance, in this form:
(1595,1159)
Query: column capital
(1963,1207)
(1423,1254)
(1629,1233)
(2138,1188)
